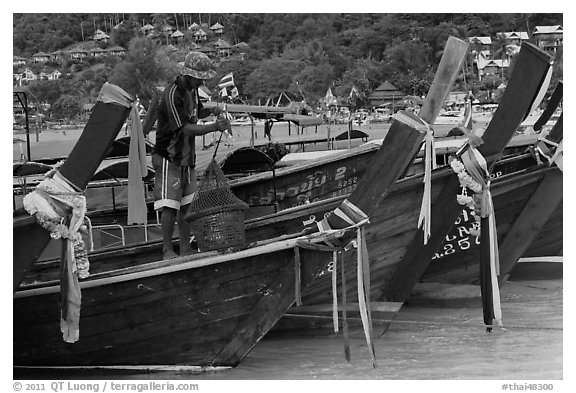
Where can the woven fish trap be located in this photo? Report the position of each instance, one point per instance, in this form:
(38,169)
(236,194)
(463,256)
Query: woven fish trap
(215,214)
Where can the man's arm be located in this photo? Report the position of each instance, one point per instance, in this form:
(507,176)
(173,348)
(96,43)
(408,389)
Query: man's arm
(190,129)
(205,112)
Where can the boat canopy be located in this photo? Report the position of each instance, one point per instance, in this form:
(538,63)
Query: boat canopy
(246,159)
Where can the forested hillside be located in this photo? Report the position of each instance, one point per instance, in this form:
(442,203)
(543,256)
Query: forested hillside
(300,54)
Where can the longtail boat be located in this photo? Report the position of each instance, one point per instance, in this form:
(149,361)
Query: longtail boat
(133,309)
(205,310)
(526,85)
(529,223)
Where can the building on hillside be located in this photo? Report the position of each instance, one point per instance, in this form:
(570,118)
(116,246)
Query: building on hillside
(58,55)
(199,36)
(484,43)
(549,38)
(494,67)
(78,54)
(514,37)
(481,48)
(217,29)
(97,52)
(18,61)
(41,57)
(211,52)
(28,75)
(240,48)
(177,36)
(146,29)
(50,76)
(117,51)
(222,47)
(100,36)
(168,30)
(385,93)
(193,26)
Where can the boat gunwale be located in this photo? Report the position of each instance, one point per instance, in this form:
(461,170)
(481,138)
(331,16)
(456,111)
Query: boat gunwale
(188,262)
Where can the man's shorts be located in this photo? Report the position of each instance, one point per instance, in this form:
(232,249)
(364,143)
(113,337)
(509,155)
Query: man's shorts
(174,185)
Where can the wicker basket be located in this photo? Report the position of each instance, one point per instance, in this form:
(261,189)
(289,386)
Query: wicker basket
(215,214)
(219,230)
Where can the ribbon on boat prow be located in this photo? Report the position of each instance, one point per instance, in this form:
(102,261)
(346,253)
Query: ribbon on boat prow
(356,219)
(552,151)
(60,207)
(429,164)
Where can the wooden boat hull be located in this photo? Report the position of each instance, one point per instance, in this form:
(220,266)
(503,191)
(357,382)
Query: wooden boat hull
(332,175)
(391,228)
(204,311)
(457,260)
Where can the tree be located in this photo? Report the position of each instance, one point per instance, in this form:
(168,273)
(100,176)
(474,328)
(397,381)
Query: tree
(67,106)
(501,49)
(272,77)
(141,71)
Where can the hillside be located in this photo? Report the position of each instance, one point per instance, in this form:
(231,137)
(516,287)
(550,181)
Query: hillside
(299,54)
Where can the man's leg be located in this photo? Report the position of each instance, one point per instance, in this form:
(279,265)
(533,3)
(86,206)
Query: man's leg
(184,232)
(189,190)
(167,222)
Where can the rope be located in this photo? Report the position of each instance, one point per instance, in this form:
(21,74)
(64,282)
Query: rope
(344,316)
(335,290)
(297,275)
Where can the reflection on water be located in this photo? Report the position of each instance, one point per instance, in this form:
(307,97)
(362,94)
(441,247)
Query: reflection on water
(420,343)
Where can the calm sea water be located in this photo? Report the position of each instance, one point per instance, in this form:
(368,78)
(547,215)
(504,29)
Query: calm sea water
(421,343)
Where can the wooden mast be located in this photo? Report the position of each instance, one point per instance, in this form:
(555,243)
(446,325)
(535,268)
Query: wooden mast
(527,78)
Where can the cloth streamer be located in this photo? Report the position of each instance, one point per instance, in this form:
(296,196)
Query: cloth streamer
(136,171)
(477,168)
(356,219)
(54,200)
(429,164)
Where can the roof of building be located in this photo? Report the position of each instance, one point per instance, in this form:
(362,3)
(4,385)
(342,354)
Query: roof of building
(216,26)
(493,63)
(221,44)
(515,34)
(548,29)
(116,48)
(482,40)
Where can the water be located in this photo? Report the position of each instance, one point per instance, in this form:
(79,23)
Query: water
(422,343)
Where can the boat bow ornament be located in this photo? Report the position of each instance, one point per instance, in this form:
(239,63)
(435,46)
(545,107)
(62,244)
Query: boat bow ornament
(60,207)
(473,173)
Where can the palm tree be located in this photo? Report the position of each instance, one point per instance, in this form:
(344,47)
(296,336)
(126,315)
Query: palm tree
(501,49)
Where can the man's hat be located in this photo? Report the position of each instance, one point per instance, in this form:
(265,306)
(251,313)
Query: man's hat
(197,65)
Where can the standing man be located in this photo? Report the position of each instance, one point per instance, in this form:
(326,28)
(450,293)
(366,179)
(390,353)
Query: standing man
(174,154)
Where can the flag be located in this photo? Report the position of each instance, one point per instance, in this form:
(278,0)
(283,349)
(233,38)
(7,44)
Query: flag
(227,80)
(234,92)
(467,120)
(353,92)
(329,99)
